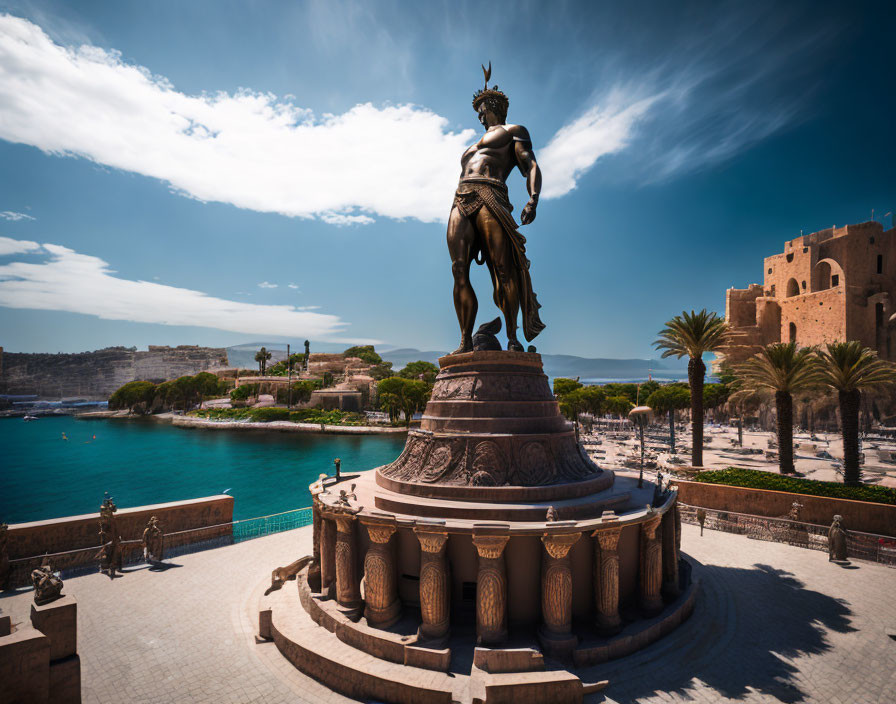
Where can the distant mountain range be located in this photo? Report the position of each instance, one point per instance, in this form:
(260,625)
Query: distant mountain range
(587,369)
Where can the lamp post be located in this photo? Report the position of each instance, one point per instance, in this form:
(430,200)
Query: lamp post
(640,414)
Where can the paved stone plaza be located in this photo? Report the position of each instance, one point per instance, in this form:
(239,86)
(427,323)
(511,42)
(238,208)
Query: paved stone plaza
(775,623)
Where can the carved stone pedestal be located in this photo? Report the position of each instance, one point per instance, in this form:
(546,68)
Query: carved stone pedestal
(491,589)
(382,605)
(555,633)
(434,587)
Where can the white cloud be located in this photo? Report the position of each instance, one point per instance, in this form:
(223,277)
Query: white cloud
(603,129)
(249,149)
(14,216)
(265,284)
(292,286)
(10,246)
(79,283)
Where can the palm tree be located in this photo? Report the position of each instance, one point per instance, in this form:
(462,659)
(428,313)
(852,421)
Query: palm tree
(850,368)
(262,357)
(693,335)
(668,399)
(783,370)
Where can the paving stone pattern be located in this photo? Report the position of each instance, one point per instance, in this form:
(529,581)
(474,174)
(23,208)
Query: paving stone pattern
(775,623)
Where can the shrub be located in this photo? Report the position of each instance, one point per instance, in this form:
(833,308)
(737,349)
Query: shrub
(266,415)
(756,479)
(243,392)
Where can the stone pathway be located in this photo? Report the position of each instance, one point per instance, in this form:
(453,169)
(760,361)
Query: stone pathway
(775,623)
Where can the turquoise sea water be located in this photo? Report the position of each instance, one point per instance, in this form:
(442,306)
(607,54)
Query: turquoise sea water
(143,462)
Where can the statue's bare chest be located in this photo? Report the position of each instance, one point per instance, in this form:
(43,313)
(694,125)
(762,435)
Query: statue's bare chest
(496,143)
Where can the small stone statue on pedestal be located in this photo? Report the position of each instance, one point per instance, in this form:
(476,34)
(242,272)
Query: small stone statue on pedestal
(338,463)
(837,541)
(47,586)
(110,539)
(153,541)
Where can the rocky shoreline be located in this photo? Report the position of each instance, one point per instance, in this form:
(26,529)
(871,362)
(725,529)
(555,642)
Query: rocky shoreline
(282,425)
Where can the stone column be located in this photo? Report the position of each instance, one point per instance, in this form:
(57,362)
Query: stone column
(651,565)
(434,586)
(314,581)
(606,580)
(327,555)
(556,595)
(348,592)
(382,605)
(491,589)
(671,587)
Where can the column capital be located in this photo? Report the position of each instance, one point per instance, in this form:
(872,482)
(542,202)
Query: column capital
(344,521)
(608,538)
(431,541)
(490,546)
(380,533)
(651,524)
(558,545)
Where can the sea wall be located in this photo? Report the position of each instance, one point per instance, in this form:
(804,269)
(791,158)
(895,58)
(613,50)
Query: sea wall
(80,534)
(857,515)
(96,375)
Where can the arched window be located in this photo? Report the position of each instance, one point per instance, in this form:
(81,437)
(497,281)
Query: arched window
(793,332)
(823,276)
(793,288)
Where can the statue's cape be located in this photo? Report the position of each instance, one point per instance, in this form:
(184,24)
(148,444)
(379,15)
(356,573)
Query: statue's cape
(470,197)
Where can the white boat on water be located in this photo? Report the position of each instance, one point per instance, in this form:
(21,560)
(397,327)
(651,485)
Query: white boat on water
(30,418)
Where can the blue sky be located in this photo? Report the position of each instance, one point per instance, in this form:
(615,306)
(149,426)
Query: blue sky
(221,172)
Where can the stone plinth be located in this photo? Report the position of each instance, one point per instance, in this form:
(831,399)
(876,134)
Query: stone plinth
(492,421)
(58,621)
(24,667)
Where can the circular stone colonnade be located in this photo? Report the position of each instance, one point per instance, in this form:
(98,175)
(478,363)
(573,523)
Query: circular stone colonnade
(491,543)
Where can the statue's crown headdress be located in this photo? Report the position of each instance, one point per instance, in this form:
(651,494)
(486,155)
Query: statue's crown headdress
(481,95)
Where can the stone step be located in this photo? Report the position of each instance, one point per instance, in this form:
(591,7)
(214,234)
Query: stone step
(321,655)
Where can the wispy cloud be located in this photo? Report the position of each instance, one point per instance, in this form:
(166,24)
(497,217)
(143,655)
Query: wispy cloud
(79,283)
(249,149)
(11,246)
(265,284)
(14,216)
(292,286)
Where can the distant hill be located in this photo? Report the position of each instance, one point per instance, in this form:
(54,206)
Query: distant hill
(593,370)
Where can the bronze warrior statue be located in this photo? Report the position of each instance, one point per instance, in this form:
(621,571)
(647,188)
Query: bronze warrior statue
(481,227)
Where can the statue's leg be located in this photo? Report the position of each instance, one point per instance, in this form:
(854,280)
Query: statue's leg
(501,258)
(461,237)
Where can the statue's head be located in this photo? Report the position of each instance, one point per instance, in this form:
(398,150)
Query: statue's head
(490,103)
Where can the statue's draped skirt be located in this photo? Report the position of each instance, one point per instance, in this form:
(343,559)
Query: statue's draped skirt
(469,198)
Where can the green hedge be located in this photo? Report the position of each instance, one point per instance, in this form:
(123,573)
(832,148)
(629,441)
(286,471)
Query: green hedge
(266,415)
(756,479)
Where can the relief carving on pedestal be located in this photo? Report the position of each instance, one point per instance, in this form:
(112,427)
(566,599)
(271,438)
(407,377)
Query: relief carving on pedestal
(535,465)
(453,388)
(489,465)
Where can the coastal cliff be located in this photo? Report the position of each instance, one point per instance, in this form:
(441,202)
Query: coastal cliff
(95,375)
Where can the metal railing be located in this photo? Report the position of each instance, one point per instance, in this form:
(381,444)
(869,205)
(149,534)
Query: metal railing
(859,545)
(73,563)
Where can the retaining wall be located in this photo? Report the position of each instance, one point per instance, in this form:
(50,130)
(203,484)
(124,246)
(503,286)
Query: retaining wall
(857,515)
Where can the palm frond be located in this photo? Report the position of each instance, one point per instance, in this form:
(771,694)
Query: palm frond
(692,334)
(846,366)
(779,367)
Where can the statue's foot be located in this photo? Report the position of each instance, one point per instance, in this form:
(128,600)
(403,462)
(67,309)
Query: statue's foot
(466,345)
(514,345)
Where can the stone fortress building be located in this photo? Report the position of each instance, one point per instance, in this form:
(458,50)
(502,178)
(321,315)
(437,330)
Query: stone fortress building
(835,284)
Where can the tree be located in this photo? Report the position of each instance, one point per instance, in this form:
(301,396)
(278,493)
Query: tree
(185,390)
(397,394)
(783,370)
(420,370)
(564,386)
(262,357)
(381,371)
(207,384)
(619,406)
(365,353)
(668,399)
(693,335)
(849,369)
(133,394)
